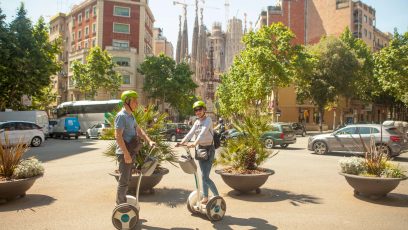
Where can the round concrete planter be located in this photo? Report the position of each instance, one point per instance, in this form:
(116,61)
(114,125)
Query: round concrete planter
(372,187)
(245,182)
(16,188)
(148,182)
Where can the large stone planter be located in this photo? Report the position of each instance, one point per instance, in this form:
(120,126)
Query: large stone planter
(372,187)
(148,182)
(15,188)
(245,182)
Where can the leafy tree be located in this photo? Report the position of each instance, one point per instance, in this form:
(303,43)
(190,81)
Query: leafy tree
(269,60)
(44,99)
(169,82)
(333,70)
(365,85)
(97,73)
(391,67)
(29,59)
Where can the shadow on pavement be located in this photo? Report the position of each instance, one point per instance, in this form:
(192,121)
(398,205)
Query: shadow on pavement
(56,149)
(171,197)
(252,223)
(392,199)
(141,225)
(272,195)
(29,202)
(400,159)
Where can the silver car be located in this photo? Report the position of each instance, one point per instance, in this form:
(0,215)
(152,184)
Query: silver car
(347,139)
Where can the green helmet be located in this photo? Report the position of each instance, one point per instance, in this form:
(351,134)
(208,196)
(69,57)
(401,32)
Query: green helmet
(128,94)
(199,104)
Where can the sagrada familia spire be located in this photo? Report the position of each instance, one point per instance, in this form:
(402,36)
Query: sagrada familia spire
(182,48)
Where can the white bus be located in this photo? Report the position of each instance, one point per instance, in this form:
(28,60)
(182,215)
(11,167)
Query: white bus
(88,113)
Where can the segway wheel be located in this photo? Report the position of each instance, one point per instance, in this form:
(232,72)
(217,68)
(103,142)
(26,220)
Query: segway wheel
(192,200)
(125,216)
(216,208)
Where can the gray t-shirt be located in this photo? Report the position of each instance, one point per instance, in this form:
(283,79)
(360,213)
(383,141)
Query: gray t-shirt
(128,123)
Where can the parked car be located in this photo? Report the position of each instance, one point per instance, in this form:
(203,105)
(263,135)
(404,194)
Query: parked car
(97,130)
(21,131)
(67,127)
(388,139)
(175,131)
(299,128)
(280,133)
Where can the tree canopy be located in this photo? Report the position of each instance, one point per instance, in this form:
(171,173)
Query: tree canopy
(169,82)
(269,60)
(28,59)
(97,73)
(391,67)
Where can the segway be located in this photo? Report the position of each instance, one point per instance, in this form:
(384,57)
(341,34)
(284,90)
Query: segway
(126,215)
(215,207)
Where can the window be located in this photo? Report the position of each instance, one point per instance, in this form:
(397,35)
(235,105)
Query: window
(86,14)
(365,18)
(126,79)
(94,28)
(121,28)
(342,4)
(347,131)
(86,31)
(86,44)
(369,35)
(120,44)
(121,61)
(365,32)
(94,11)
(93,42)
(121,11)
(80,18)
(73,36)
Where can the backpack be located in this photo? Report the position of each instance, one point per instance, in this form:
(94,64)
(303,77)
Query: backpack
(217,139)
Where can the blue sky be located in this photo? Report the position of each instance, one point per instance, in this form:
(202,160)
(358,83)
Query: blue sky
(390,13)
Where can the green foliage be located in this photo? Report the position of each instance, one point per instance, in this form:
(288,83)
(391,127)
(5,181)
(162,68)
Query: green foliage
(28,59)
(246,152)
(44,99)
(391,67)
(365,86)
(269,60)
(10,157)
(97,73)
(27,168)
(169,82)
(152,122)
(333,69)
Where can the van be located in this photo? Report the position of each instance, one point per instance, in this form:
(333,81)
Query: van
(67,127)
(38,117)
(15,132)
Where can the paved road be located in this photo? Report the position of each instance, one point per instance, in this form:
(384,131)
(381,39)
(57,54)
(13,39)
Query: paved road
(306,192)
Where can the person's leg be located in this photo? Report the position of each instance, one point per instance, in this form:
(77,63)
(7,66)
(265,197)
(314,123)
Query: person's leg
(125,171)
(205,167)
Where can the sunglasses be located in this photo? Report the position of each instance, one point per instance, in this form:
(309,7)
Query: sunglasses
(198,109)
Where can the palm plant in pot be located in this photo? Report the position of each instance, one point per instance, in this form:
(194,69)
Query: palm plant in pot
(373,176)
(244,155)
(153,123)
(17,175)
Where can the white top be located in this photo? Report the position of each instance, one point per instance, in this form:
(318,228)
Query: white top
(203,130)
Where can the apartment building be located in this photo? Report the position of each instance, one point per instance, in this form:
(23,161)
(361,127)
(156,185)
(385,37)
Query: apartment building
(161,44)
(123,28)
(310,20)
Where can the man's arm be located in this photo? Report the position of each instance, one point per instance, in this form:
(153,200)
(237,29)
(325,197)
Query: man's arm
(143,135)
(122,146)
